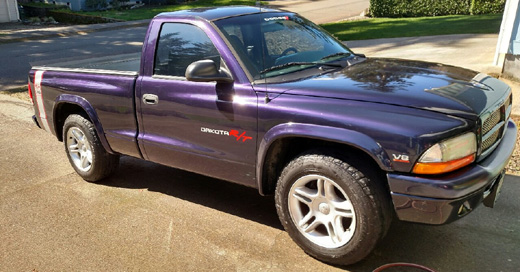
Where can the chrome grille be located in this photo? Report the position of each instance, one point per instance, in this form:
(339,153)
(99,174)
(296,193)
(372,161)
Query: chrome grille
(491,121)
(493,127)
(488,142)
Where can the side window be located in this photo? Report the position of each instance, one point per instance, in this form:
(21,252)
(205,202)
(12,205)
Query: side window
(180,45)
(234,30)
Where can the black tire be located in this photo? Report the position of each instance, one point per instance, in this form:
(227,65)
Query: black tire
(85,152)
(353,232)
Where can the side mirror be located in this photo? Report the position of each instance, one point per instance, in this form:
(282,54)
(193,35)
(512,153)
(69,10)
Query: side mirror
(205,71)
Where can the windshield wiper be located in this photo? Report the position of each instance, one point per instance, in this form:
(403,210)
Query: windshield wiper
(299,64)
(346,54)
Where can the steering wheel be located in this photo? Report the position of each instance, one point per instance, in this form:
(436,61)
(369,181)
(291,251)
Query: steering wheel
(288,50)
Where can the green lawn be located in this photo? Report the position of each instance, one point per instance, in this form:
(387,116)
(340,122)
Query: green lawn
(150,12)
(373,28)
(376,28)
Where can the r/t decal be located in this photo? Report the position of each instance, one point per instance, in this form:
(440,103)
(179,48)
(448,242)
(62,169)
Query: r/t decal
(243,135)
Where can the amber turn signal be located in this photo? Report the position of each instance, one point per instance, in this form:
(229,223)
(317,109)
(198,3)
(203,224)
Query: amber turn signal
(432,168)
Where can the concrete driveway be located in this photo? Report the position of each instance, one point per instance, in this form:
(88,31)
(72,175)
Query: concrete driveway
(149,217)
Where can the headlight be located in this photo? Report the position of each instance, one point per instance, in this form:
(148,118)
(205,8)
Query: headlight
(448,155)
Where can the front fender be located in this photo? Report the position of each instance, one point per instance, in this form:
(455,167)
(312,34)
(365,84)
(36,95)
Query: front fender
(89,110)
(332,134)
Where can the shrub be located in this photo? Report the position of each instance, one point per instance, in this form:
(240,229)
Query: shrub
(419,8)
(39,9)
(35,20)
(487,6)
(116,4)
(96,4)
(74,18)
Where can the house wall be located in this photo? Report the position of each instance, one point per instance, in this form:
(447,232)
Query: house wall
(512,60)
(8,11)
(508,46)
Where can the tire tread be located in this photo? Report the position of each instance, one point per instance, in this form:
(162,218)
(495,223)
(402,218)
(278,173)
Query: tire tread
(371,190)
(104,163)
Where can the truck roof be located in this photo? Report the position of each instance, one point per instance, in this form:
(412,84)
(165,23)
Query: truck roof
(215,13)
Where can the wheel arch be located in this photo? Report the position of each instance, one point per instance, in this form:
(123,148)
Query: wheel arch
(65,105)
(284,142)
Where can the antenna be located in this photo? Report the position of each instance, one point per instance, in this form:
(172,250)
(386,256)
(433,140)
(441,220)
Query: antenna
(267,99)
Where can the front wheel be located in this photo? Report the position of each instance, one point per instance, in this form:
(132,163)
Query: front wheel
(330,209)
(84,150)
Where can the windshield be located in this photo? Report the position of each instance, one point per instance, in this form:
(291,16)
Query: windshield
(274,44)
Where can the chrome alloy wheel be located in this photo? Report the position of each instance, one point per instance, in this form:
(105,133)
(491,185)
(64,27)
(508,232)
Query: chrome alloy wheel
(322,211)
(79,149)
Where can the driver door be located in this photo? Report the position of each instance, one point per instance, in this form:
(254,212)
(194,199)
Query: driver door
(204,127)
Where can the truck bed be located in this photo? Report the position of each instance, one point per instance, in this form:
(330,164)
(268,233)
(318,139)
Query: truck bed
(96,80)
(124,64)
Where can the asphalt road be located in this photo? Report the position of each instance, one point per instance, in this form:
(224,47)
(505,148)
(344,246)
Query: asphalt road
(17,58)
(153,218)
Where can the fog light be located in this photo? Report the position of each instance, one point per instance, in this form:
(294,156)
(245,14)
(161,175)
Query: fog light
(464,209)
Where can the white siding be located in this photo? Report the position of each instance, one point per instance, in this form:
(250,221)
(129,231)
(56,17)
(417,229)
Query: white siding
(511,11)
(4,16)
(8,11)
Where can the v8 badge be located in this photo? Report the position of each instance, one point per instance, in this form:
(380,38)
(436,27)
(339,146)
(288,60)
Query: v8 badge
(401,158)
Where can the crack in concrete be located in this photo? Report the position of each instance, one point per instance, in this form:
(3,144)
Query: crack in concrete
(271,251)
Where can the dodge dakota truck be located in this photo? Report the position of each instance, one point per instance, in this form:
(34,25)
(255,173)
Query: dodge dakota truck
(267,99)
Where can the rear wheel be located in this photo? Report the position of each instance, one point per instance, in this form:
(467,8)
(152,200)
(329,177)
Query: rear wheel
(84,150)
(330,209)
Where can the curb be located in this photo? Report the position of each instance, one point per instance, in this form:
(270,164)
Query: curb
(75,30)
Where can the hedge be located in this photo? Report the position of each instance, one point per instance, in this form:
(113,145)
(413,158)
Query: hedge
(63,15)
(419,8)
(487,6)
(74,18)
(31,10)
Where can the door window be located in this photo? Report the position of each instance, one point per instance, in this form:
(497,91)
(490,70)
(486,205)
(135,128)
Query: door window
(180,45)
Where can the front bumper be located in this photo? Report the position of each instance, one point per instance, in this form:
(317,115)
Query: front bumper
(446,198)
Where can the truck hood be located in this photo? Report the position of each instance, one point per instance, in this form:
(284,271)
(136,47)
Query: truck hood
(423,85)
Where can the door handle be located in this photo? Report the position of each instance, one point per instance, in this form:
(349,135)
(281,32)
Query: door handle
(150,99)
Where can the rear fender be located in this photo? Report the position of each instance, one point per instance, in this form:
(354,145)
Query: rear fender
(89,110)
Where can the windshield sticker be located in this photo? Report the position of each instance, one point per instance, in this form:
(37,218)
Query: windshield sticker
(276,18)
(235,133)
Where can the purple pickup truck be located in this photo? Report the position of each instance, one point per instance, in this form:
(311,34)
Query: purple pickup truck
(266,99)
